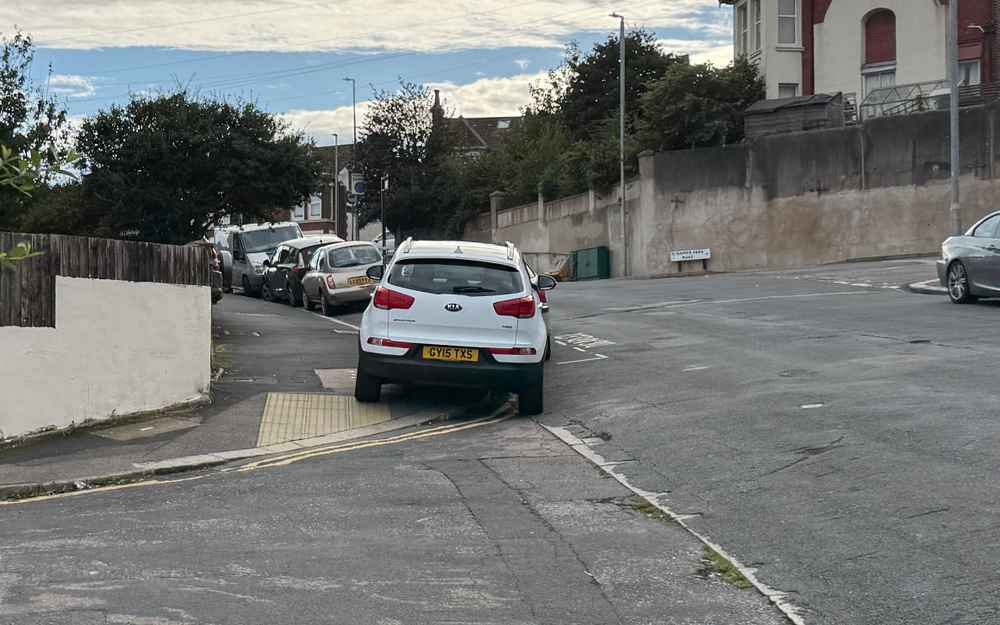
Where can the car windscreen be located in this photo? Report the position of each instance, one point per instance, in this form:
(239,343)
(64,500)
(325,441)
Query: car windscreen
(263,240)
(455,276)
(353,256)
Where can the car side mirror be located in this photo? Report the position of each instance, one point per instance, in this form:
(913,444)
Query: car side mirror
(546,283)
(266,263)
(375,272)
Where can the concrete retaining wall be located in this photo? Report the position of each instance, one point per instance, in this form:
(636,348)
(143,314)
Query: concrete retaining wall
(785,201)
(117,348)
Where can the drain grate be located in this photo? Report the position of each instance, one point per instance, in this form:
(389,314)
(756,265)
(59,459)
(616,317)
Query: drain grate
(294,416)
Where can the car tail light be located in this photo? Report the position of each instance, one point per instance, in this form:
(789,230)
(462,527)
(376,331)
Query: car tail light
(387,299)
(330,284)
(374,340)
(513,351)
(522,307)
(542,297)
(298,269)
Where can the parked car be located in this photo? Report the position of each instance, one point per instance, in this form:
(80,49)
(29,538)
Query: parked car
(970,264)
(283,272)
(215,268)
(253,244)
(338,274)
(220,237)
(454,313)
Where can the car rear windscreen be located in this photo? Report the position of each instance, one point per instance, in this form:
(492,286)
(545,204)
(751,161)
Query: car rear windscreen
(354,256)
(455,276)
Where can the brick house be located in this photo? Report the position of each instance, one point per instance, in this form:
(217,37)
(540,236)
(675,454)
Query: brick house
(805,47)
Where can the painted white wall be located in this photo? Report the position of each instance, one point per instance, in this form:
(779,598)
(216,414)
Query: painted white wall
(117,348)
(920,43)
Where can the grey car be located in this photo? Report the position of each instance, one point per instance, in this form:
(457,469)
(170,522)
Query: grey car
(970,264)
(338,275)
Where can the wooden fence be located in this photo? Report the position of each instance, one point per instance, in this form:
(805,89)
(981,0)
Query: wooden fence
(27,291)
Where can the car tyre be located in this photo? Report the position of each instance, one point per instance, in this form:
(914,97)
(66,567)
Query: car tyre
(292,297)
(306,302)
(531,399)
(367,388)
(548,349)
(958,284)
(265,292)
(324,305)
(247,290)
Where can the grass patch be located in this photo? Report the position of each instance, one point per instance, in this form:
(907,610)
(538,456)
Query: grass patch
(641,504)
(717,564)
(221,358)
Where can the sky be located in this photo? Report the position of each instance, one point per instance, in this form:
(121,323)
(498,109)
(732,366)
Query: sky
(290,57)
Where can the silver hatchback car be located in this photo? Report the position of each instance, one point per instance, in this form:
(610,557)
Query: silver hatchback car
(338,275)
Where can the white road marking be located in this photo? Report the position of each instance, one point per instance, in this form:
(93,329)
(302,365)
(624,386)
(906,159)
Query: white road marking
(573,362)
(696,368)
(579,349)
(810,406)
(560,343)
(331,319)
(778,598)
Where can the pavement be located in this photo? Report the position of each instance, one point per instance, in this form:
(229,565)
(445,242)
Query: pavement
(286,380)
(829,432)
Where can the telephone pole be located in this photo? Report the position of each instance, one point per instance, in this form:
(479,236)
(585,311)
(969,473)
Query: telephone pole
(354,152)
(955,209)
(621,136)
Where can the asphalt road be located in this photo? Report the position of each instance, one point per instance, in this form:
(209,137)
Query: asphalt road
(838,434)
(827,428)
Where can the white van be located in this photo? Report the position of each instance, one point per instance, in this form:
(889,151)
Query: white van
(250,246)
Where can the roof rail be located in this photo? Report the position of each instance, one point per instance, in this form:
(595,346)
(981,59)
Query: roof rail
(407,244)
(510,250)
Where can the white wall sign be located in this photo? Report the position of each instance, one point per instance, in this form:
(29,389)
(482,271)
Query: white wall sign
(679,256)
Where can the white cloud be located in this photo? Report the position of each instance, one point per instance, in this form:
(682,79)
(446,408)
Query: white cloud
(486,97)
(717,52)
(71,86)
(314,25)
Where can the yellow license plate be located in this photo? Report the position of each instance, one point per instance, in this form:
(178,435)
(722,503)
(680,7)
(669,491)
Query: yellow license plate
(453,354)
(363,280)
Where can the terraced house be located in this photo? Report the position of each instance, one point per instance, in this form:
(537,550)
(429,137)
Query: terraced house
(856,47)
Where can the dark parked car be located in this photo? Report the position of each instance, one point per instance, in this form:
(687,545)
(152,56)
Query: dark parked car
(970,264)
(283,272)
(216,268)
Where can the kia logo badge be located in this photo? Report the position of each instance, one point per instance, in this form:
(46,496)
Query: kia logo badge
(452,307)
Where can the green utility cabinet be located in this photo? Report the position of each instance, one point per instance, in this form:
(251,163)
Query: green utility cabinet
(593,263)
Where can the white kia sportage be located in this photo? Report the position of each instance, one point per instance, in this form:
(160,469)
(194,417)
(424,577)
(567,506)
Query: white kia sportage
(455,313)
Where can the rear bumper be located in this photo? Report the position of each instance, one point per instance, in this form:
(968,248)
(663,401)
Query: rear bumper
(411,368)
(942,270)
(350,294)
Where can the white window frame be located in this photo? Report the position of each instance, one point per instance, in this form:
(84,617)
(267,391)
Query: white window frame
(742,28)
(873,70)
(786,85)
(756,19)
(798,25)
(964,72)
(300,212)
(316,206)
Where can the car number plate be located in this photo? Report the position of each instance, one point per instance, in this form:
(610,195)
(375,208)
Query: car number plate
(363,280)
(453,354)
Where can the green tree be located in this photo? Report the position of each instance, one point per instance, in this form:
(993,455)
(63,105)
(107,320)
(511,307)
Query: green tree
(167,168)
(33,127)
(698,105)
(406,139)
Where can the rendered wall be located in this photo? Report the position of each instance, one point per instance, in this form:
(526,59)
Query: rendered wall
(117,348)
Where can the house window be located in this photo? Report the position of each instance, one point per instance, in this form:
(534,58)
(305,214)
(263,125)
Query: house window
(879,70)
(316,206)
(741,30)
(755,17)
(970,72)
(300,212)
(788,90)
(788,22)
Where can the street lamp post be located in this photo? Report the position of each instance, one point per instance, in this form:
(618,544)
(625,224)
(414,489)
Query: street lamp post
(354,149)
(621,135)
(336,184)
(955,208)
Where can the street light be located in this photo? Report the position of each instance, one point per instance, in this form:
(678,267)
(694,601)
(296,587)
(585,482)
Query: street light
(621,134)
(354,147)
(955,208)
(336,184)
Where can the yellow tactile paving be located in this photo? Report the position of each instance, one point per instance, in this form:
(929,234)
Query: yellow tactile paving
(294,416)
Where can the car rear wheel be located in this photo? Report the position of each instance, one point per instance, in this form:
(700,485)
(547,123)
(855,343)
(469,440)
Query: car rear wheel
(265,292)
(367,388)
(306,302)
(324,305)
(531,399)
(247,290)
(958,284)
